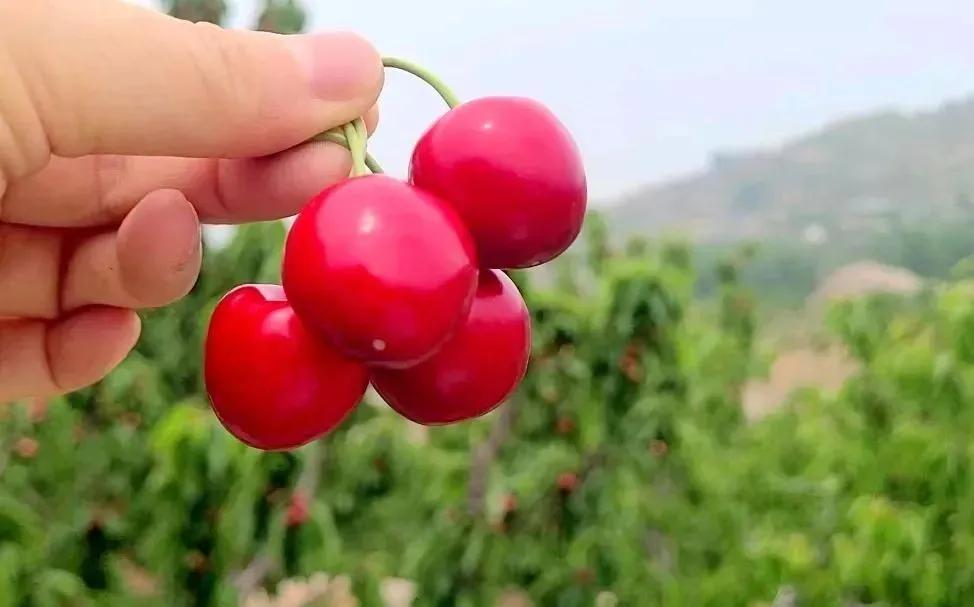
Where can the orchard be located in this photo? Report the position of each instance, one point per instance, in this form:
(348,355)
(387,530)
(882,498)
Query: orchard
(582,439)
(621,464)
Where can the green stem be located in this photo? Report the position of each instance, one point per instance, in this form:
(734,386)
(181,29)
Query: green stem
(336,137)
(449,97)
(354,136)
(363,135)
(361,130)
(356,146)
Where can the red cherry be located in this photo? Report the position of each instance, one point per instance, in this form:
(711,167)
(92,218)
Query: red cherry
(513,173)
(385,270)
(271,382)
(475,370)
(297,510)
(567,482)
(565,425)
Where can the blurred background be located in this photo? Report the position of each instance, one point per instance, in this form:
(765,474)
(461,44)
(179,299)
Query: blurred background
(752,376)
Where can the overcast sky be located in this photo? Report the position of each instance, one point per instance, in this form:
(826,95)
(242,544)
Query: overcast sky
(650,88)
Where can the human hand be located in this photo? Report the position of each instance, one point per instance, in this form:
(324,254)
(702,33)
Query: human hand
(121,129)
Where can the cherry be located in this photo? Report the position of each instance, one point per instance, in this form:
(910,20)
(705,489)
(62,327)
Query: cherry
(565,425)
(383,269)
(475,370)
(270,381)
(658,448)
(584,576)
(567,482)
(513,173)
(297,510)
(197,561)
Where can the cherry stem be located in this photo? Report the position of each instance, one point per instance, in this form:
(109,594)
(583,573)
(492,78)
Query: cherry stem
(356,137)
(362,131)
(449,97)
(335,136)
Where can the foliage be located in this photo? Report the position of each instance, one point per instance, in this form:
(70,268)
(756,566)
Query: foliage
(623,464)
(152,479)
(788,271)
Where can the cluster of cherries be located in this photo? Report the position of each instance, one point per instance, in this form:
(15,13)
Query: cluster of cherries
(400,283)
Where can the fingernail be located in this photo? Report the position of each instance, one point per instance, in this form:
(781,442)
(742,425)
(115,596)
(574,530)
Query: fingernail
(340,65)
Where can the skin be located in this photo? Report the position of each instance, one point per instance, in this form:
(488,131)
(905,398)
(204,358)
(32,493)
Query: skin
(121,131)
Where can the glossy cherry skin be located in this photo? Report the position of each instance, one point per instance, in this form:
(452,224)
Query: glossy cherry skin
(384,270)
(513,173)
(476,370)
(271,382)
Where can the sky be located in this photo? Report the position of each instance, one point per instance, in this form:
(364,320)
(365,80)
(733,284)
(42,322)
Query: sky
(650,89)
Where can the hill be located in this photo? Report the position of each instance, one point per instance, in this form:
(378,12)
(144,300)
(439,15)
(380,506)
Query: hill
(851,176)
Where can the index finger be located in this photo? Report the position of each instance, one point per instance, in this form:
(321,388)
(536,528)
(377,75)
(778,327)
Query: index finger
(101,190)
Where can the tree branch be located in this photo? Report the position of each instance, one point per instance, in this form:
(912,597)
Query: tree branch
(484,456)
(253,575)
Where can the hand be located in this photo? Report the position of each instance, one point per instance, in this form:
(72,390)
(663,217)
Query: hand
(121,129)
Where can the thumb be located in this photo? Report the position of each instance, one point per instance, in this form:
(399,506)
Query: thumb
(107,77)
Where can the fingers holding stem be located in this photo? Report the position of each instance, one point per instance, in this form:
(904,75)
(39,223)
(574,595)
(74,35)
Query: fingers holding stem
(338,138)
(354,136)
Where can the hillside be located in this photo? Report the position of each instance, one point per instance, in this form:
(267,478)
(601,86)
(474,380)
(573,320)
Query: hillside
(853,175)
